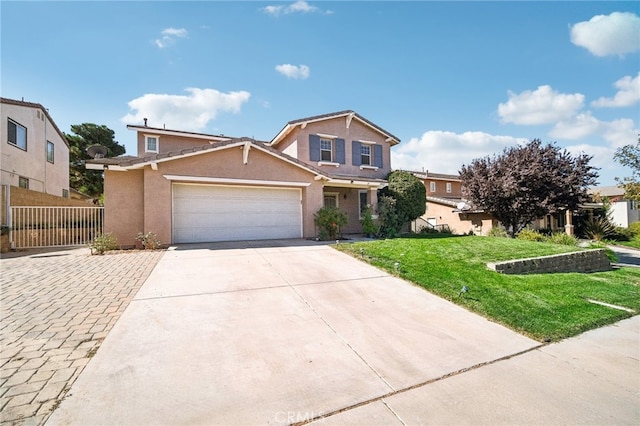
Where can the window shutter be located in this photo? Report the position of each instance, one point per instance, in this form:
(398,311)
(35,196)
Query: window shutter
(13,133)
(377,155)
(340,151)
(314,147)
(355,153)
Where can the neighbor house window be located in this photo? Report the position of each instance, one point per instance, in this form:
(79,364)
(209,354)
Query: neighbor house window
(65,193)
(151,143)
(362,200)
(331,199)
(50,151)
(432,186)
(17,134)
(448,187)
(365,155)
(326,150)
(23,182)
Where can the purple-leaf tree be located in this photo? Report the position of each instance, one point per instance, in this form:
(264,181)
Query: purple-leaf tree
(528,182)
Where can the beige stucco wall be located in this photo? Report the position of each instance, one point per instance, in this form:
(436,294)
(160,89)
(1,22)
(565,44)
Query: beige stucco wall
(338,127)
(441,188)
(141,201)
(168,143)
(459,223)
(51,178)
(123,204)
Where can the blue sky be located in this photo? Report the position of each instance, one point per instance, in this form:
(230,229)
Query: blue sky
(453,80)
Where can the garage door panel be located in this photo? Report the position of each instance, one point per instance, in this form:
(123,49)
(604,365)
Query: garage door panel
(203,213)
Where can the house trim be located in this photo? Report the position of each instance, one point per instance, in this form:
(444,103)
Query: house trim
(252,182)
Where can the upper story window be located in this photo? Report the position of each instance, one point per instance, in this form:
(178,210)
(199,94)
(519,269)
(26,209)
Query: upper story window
(432,186)
(65,193)
(449,187)
(365,155)
(23,182)
(326,150)
(151,143)
(50,149)
(17,134)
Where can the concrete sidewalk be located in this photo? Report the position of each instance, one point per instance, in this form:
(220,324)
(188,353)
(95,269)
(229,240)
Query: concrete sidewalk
(251,334)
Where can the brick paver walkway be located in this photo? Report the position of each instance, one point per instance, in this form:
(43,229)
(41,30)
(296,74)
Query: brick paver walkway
(55,310)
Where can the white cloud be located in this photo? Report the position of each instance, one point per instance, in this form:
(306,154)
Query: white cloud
(540,106)
(446,152)
(577,127)
(184,112)
(603,35)
(299,6)
(627,95)
(169,36)
(292,71)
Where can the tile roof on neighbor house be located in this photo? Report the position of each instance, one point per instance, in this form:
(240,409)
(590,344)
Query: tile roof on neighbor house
(438,176)
(394,140)
(158,130)
(607,191)
(459,204)
(37,106)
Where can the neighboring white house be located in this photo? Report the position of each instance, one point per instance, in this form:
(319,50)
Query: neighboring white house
(34,154)
(623,211)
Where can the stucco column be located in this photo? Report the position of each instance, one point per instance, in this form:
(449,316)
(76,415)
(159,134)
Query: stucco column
(373,200)
(568,228)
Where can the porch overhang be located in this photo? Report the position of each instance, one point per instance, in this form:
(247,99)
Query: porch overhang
(355,183)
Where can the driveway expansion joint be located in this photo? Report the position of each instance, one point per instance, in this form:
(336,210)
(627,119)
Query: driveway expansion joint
(420,385)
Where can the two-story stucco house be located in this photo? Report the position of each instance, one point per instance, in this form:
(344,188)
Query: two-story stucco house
(192,187)
(446,208)
(34,154)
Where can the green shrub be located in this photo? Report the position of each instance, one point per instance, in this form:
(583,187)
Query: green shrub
(329,221)
(149,240)
(530,235)
(599,229)
(563,239)
(498,231)
(390,220)
(369,228)
(634,228)
(102,243)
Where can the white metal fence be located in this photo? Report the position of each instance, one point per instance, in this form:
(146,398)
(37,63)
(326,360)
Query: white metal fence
(36,226)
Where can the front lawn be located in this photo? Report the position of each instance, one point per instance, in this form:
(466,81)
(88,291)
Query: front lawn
(542,306)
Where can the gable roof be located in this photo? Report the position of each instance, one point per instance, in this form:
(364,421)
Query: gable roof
(128,162)
(163,131)
(131,162)
(436,176)
(41,108)
(607,191)
(348,114)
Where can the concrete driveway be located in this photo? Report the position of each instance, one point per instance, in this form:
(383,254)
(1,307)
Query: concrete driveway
(244,333)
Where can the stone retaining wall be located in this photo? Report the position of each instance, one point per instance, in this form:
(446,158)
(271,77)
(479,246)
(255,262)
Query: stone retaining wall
(581,261)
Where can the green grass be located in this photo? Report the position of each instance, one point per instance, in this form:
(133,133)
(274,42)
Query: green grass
(546,307)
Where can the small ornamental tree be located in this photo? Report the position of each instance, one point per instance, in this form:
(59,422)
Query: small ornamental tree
(329,221)
(410,201)
(527,182)
(629,156)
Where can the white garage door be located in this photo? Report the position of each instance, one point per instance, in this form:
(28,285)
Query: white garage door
(205,213)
